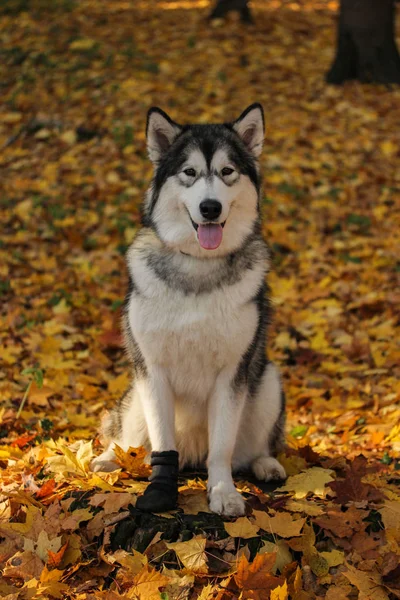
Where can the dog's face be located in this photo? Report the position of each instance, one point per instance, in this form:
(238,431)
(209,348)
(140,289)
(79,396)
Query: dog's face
(204,197)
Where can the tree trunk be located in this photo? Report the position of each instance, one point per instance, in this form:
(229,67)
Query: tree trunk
(366,46)
(224,6)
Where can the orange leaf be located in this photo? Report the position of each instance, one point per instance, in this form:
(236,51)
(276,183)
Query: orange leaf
(46,489)
(132,461)
(256,579)
(55,558)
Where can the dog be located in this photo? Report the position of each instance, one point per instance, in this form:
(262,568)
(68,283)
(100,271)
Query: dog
(195,317)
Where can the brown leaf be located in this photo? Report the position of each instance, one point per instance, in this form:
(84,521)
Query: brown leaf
(368,584)
(255,579)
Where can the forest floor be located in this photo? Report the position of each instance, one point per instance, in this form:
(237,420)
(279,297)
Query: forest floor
(77,79)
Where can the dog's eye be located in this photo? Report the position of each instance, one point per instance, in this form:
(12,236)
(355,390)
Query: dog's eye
(226,171)
(190,172)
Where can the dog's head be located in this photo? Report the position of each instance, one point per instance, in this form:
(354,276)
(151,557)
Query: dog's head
(204,196)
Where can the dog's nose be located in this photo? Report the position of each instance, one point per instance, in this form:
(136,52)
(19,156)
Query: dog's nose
(210,209)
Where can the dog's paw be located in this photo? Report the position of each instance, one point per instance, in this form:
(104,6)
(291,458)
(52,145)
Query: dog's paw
(225,500)
(267,468)
(105,462)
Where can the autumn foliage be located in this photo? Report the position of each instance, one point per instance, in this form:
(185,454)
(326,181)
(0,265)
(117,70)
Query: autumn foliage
(77,80)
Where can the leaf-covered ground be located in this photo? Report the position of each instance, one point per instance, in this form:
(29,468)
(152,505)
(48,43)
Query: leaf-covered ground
(76,82)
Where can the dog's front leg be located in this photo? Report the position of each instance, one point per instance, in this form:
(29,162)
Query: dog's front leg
(159,411)
(224,414)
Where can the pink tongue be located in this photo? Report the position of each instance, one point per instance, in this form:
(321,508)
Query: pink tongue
(210,236)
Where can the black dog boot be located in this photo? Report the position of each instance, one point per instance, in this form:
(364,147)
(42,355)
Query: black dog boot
(162,493)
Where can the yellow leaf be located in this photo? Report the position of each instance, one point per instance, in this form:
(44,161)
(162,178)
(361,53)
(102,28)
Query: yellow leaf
(69,136)
(69,462)
(146,585)
(304,506)
(292,464)
(242,528)
(333,558)
(23,528)
(132,561)
(280,592)
(282,523)
(84,44)
(84,455)
(388,148)
(311,481)
(73,552)
(283,554)
(44,545)
(23,209)
(191,554)
(50,584)
(61,308)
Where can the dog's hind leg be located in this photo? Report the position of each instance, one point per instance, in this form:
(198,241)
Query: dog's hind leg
(266,467)
(261,435)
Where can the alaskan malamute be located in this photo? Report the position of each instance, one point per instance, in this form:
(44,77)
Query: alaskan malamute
(196,316)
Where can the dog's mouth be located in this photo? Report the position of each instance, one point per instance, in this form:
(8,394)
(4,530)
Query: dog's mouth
(209,234)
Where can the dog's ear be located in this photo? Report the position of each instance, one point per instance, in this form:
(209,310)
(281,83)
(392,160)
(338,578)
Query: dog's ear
(160,133)
(250,128)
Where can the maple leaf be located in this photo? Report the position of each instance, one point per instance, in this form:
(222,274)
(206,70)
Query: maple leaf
(46,489)
(352,489)
(391,517)
(368,583)
(191,554)
(342,524)
(255,579)
(133,562)
(69,461)
(54,558)
(280,592)
(147,584)
(312,481)
(283,554)
(281,523)
(111,501)
(132,461)
(242,528)
(304,506)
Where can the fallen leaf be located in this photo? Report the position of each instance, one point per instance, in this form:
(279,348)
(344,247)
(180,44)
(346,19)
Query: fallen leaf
(132,461)
(283,554)
(255,579)
(147,584)
(280,592)
(368,583)
(191,554)
(311,481)
(241,528)
(281,523)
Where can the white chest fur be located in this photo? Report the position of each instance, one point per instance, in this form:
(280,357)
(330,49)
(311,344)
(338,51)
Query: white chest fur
(192,336)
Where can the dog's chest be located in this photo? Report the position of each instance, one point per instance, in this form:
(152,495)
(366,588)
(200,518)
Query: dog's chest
(193,337)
